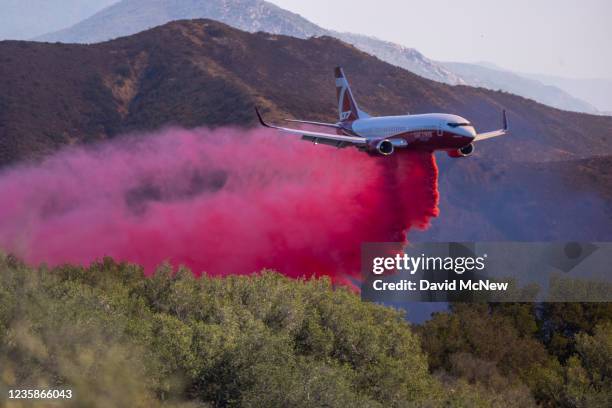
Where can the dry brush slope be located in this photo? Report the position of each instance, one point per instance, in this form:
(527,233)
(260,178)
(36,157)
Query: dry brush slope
(201,72)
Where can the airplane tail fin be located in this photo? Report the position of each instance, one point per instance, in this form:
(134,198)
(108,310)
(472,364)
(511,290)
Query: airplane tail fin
(347,107)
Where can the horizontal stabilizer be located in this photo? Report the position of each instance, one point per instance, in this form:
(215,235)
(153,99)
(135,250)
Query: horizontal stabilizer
(314,136)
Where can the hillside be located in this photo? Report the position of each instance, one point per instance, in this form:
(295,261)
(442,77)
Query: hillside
(493,199)
(118,339)
(491,78)
(179,72)
(598,91)
(132,16)
(193,73)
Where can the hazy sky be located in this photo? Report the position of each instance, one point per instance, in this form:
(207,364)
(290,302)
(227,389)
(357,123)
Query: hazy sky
(24,19)
(556,37)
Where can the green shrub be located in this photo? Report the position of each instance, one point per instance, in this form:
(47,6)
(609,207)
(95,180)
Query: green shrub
(118,338)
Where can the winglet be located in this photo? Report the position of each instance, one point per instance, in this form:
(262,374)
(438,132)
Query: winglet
(260,118)
(505,120)
(494,133)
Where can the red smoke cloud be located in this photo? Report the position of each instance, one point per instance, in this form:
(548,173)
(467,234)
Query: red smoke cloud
(223,201)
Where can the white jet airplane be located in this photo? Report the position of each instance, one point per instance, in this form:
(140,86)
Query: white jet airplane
(384,134)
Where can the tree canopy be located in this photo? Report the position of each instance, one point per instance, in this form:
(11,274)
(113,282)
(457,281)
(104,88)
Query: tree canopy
(118,338)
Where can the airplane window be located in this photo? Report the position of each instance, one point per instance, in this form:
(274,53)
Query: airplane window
(459,124)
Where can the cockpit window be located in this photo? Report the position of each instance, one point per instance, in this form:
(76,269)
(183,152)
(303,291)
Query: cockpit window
(451,124)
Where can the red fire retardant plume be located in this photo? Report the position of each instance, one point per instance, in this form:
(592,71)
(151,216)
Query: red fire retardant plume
(220,201)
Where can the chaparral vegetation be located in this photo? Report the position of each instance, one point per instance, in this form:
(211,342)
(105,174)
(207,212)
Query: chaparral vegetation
(117,338)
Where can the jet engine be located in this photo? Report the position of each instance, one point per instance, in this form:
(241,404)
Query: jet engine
(384,147)
(462,152)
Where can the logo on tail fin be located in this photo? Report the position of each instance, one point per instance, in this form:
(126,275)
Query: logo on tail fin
(347,107)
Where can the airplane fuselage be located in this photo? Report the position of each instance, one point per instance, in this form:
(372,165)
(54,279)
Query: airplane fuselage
(385,134)
(432,131)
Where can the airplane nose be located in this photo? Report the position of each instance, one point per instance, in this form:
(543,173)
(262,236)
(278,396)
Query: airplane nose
(466,131)
(470,132)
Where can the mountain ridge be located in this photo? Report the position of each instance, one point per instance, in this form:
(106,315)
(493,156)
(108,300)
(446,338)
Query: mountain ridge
(123,74)
(130,16)
(554,165)
(491,78)
(247,15)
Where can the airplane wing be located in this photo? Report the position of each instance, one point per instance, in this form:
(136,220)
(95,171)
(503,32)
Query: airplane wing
(489,135)
(310,122)
(315,136)
(494,133)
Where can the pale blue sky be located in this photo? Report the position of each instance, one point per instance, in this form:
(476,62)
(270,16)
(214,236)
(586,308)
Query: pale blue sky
(24,19)
(558,37)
